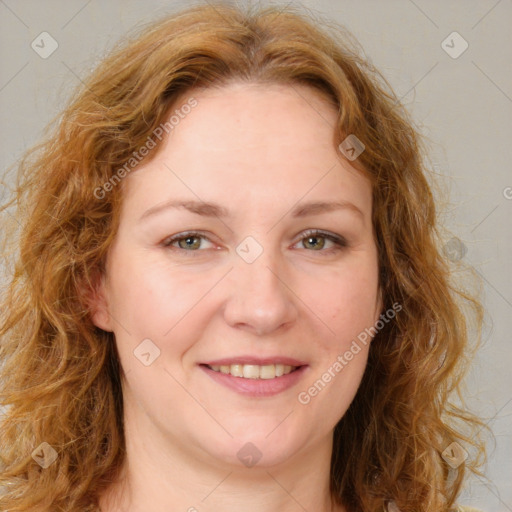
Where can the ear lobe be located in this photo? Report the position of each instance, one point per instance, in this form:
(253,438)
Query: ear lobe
(97,303)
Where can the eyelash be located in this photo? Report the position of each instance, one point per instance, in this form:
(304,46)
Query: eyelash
(339,241)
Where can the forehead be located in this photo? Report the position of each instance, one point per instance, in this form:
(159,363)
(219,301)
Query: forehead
(240,117)
(251,143)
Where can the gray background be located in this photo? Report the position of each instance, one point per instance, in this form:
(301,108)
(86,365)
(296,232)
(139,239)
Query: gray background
(463,105)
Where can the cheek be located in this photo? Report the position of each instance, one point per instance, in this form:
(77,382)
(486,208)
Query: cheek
(348,307)
(347,302)
(152,297)
(150,302)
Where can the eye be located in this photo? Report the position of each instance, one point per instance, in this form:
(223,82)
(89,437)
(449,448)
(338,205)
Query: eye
(316,240)
(189,241)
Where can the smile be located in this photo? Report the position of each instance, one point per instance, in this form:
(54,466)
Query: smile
(256,380)
(253,371)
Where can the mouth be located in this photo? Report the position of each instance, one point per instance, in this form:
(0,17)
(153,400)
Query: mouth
(254,371)
(256,377)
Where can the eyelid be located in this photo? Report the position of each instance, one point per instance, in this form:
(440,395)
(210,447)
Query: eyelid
(339,241)
(184,234)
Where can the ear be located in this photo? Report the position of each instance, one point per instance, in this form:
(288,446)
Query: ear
(96,298)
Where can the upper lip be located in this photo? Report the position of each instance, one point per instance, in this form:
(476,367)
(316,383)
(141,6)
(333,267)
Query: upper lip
(260,361)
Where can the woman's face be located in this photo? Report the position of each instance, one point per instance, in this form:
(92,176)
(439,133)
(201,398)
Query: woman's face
(217,271)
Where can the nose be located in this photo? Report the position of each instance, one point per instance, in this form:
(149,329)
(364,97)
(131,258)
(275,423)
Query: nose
(261,301)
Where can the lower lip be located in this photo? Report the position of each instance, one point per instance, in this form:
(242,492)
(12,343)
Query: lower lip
(256,387)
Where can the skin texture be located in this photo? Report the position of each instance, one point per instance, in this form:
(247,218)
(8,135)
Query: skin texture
(258,151)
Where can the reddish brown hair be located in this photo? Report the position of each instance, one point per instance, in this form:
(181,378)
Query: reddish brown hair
(60,379)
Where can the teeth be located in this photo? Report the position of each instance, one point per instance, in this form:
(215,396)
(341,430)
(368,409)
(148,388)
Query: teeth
(253,371)
(237,370)
(267,372)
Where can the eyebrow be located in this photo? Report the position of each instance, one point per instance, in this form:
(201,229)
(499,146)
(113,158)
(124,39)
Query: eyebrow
(206,209)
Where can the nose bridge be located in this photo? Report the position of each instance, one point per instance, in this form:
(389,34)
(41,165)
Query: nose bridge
(259,300)
(262,277)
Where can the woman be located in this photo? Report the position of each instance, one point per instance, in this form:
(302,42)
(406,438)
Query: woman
(228,293)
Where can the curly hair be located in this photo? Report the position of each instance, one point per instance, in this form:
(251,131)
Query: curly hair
(60,379)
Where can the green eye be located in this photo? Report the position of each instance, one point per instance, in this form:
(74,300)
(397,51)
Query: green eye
(316,240)
(313,240)
(189,242)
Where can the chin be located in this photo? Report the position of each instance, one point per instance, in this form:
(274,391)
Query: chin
(254,451)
